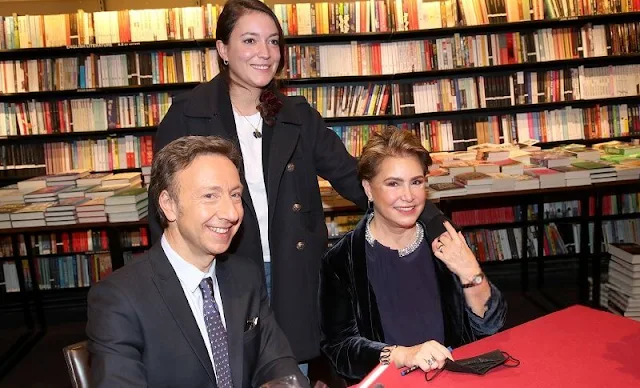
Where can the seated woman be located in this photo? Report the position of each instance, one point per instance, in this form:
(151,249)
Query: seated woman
(392,290)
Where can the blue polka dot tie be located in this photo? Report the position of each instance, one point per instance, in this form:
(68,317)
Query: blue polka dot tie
(217,335)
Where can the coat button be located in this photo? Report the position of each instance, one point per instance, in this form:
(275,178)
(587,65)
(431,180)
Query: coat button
(296,207)
(300,245)
(291,167)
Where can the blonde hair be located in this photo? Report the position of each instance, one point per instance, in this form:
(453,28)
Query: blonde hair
(390,142)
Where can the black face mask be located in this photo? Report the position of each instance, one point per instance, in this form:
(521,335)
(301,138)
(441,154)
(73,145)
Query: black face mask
(478,365)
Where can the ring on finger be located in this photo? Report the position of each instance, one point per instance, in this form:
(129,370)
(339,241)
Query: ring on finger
(430,362)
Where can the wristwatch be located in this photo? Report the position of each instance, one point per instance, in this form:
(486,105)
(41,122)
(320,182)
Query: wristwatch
(475,281)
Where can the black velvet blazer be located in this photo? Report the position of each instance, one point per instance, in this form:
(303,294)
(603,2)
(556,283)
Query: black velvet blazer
(351,329)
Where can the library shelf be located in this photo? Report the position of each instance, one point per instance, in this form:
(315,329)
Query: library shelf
(88,92)
(466,71)
(62,228)
(108,48)
(80,135)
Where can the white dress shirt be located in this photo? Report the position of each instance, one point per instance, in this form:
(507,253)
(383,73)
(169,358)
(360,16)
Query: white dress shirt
(251,148)
(190,278)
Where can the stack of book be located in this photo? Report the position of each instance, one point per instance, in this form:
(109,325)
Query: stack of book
(64,212)
(575,176)
(624,280)
(548,178)
(475,182)
(447,189)
(599,171)
(127,205)
(30,216)
(91,211)
(11,195)
(45,194)
(66,178)
(5,213)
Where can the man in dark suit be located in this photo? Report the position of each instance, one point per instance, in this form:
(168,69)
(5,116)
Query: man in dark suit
(185,314)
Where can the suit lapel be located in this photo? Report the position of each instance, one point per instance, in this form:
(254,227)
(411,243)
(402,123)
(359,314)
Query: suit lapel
(169,287)
(234,317)
(286,132)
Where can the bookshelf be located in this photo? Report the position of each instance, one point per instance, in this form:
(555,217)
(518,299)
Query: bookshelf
(463,65)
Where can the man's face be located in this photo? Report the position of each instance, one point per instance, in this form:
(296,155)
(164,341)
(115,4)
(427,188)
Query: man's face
(208,205)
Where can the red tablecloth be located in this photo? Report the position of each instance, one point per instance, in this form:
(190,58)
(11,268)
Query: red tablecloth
(575,347)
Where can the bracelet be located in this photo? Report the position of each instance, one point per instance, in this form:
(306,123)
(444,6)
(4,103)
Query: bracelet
(385,354)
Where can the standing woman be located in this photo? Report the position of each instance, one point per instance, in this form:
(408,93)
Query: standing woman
(285,144)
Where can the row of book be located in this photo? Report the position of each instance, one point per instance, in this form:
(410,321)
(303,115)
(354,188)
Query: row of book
(124,26)
(81,241)
(83,114)
(458,134)
(74,197)
(73,271)
(199,65)
(112,153)
(108,70)
(454,94)
(461,52)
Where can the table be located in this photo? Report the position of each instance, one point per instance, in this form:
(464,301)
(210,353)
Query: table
(575,347)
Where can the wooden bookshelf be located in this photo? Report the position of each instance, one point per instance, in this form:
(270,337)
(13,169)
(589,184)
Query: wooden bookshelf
(448,204)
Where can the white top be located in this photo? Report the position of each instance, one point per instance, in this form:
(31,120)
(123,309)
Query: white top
(251,148)
(190,278)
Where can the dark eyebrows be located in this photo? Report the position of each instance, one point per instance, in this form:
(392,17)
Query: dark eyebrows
(254,34)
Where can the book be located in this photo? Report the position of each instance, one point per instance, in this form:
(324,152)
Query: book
(127,208)
(105,191)
(629,252)
(449,189)
(123,178)
(93,179)
(31,212)
(474,179)
(6,210)
(593,166)
(95,204)
(67,204)
(46,192)
(32,184)
(572,172)
(129,196)
(75,191)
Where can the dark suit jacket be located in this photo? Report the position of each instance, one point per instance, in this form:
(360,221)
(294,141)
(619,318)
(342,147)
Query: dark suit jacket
(301,148)
(142,331)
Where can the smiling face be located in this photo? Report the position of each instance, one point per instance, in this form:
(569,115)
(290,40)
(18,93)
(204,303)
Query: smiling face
(397,190)
(252,50)
(207,212)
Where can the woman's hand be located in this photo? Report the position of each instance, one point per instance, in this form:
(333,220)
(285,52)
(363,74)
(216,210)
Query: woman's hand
(427,356)
(452,249)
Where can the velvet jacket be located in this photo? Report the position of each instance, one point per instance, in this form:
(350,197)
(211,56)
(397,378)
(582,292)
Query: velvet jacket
(351,330)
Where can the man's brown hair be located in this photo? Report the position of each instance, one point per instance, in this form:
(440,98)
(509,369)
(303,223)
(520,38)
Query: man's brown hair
(177,156)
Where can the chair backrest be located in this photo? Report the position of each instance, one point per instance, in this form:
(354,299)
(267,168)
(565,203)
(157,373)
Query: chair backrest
(78,364)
